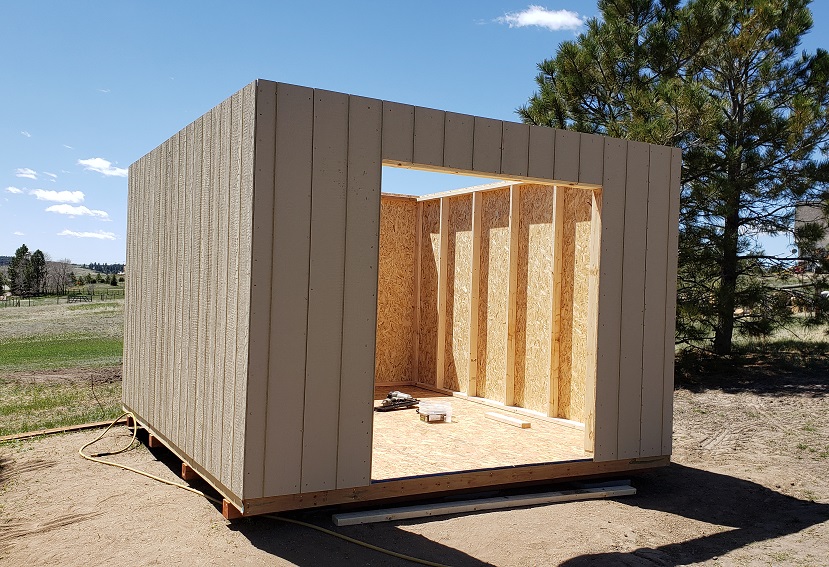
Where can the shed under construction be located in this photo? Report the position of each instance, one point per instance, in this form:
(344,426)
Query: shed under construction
(274,295)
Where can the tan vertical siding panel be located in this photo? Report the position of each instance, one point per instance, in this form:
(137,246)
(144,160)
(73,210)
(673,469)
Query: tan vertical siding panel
(289,300)
(325,291)
(177,270)
(146,328)
(515,153)
(187,379)
(247,118)
(633,299)
(534,298)
(606,415)
(260,291)
(566,158)
(670,303)
(214,327)
(428,136)
(653,344)
(486,146)
(459,293)
(591,150)
(220,153)
(201,294)
(541,152)
(362,240)
(155,406)
(128,388)
(398,132)
(231,168)
(493,292)
(429,267)
(192,206)
(209,297)
(168,301)
(458,133)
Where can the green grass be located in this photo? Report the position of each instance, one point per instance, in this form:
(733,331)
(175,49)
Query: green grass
(60,352)
(34,406)
(93,306)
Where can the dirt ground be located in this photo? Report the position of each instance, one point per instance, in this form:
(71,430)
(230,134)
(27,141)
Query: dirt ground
(748,486)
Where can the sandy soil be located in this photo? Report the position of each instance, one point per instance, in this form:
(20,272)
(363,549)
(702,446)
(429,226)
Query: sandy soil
(748,487)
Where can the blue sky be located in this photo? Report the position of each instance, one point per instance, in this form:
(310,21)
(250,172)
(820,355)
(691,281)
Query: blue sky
(90,87)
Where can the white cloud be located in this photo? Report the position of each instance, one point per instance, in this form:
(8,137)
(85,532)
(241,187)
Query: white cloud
(14,190)
(58,196)
(101,235)
(102,166)
(76,211)
(25,172)
(553,20)
(25,133)
(18,233)
(69,147)
(52,175)
(103,91)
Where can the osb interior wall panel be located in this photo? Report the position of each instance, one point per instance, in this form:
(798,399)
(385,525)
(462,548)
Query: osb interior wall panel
(493,303)
(396,290)
(534,297)
(429,263)
(189,206)
(459,286)
(574,303)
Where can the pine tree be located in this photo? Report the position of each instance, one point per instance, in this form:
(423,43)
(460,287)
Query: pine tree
(723,81)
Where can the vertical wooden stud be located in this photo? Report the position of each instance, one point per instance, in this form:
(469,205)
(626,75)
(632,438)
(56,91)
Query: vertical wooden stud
(418,253)
(555,309)
(472,389)
(512,293)
(442,291)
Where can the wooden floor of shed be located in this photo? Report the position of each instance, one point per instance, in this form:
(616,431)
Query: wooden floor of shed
(405,446)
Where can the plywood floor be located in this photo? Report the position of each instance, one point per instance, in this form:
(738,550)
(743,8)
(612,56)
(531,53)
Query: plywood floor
(405,446)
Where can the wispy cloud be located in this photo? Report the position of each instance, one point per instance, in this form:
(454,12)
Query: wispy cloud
(553,20)
(102,166)
(18,233)
(25,133)
(77,211)
(103,91)
(15,190)
(68,147)
(58,196)
(101,235)
(52,175)
(25,172)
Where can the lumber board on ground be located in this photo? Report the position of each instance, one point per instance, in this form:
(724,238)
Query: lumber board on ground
(509,420)
(478,505)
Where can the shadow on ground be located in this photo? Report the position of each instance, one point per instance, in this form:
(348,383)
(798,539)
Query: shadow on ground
(753,512)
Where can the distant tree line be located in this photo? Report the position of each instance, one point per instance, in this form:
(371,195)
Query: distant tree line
(104,268)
